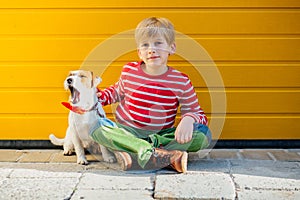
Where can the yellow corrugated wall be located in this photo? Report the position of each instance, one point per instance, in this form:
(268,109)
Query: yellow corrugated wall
(255,45)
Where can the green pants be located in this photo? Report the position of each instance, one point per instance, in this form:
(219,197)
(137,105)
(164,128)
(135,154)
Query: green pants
(140,143)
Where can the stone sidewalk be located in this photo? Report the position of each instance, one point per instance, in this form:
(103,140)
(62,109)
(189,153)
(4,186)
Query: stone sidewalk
(218,174)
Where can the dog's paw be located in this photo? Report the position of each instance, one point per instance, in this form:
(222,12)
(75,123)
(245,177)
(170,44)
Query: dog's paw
(110,159)
(82,161)
(68,152)
(68,149)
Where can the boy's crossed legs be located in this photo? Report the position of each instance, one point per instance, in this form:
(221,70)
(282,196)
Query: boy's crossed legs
(150,149)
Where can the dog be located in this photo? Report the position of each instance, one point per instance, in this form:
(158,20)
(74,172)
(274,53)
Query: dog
(85,110)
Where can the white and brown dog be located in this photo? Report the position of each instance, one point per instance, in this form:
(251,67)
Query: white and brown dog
(85,111)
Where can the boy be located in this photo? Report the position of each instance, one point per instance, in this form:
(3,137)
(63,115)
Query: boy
(149,93)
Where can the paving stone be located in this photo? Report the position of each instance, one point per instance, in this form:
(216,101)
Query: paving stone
(202,154)
(266,183)
(39,150)
(2,180)
(112,194)
(60,157)
(261,187)
(52,167)
(193,156)
(5,172)
(94,158)
(194,186)
(115,182)
(59,180)
(268,194)
(33,173)
(255,154)
(37,188)
(224,154)
(37,156)
(286,156)
(266,168)
(9,155)
(294,150)
(92,166)
(209,165)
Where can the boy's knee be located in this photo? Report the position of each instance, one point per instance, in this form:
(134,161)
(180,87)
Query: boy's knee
(200,141)
(203,129)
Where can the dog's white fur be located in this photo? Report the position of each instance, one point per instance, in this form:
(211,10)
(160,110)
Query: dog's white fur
(83,83)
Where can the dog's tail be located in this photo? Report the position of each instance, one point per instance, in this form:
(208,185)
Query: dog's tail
(56,141)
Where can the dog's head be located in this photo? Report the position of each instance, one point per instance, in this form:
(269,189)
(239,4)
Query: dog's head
(80,82)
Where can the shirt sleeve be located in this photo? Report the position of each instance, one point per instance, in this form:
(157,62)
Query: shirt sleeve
(112,94)
(189,105)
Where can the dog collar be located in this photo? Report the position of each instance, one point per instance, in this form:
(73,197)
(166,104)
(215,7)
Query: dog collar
(77,109)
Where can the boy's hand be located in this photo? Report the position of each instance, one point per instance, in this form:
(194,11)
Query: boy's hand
(99,94)
(100,97)
(184,130)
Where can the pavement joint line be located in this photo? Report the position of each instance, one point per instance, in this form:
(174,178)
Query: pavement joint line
(20,157)
(229,166)
(271,156)
(52,157)
(153,185)
(236,186)
(240,156)
(10,173)
(272,189)
(75,188)
(208,156)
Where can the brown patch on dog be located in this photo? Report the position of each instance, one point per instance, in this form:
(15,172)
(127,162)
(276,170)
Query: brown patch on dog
(86,77)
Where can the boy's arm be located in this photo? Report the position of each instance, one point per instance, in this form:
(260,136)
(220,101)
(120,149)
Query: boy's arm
(191,113)
(112,94)
(190,105)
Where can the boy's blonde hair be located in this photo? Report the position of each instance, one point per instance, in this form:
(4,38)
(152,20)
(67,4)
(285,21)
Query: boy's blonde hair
(153,26)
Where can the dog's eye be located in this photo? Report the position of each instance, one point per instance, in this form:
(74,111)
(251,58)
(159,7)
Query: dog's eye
(82,76)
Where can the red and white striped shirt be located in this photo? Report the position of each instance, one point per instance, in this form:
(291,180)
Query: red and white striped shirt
(151,102)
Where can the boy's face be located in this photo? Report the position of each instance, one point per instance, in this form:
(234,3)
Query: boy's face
(155,51)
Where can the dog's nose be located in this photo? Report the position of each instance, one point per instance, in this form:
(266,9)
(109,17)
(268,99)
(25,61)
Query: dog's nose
(69,80)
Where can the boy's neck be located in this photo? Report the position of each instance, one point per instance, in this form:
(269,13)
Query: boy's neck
(154,71)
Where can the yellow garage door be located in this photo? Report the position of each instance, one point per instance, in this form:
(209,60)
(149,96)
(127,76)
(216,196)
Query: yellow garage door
(255,46)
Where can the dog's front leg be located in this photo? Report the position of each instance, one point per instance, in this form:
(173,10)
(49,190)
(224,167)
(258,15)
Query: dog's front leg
(81,159)
(68,143)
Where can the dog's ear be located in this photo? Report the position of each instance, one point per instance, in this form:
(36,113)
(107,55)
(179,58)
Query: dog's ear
(96,81)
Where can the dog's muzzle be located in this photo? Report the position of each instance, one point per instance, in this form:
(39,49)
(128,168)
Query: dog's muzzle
(75,94)
(69,81)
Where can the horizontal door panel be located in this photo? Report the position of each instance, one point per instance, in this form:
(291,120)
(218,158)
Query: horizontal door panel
(85,22)
(245,75)
(147,4)
(238,101)
(62,50)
